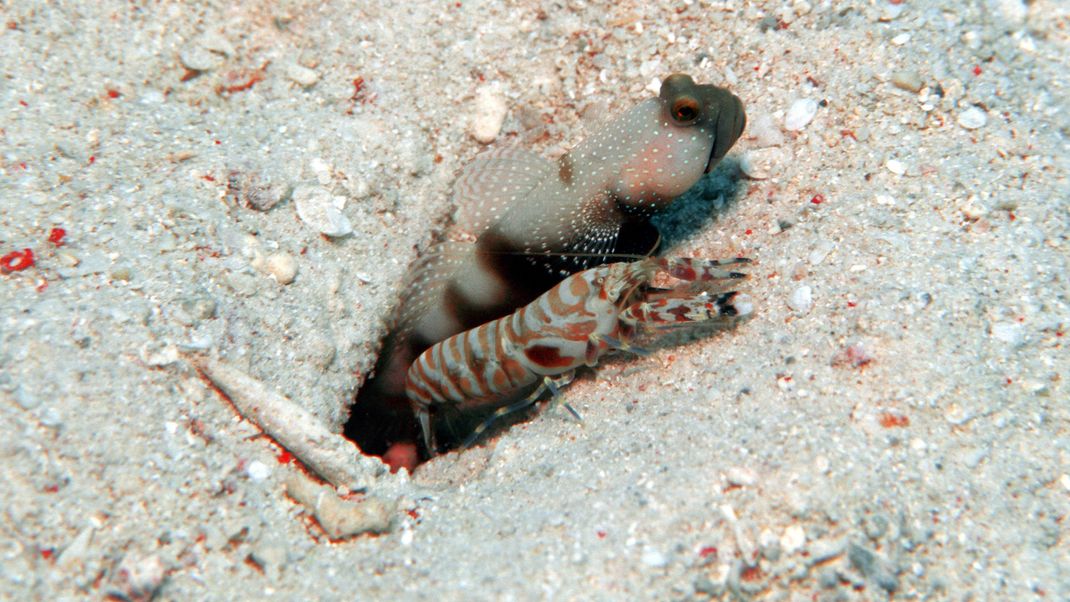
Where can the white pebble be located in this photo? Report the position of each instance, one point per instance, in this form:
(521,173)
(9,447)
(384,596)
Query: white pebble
(26,399)
(205,52)
(822,464)
(1011,333)
(800,114)
(487,116)
(152,97)
(282,267)
(139,578)
(303,76)
(957,415)
(768,542)
(258,471)
(765,131)
(793,539)
(901,39)
(321,169)
(741,477)
(652,557)
(215,42)
(760,163)
(317,209)
(802,299)
(75,553)
(820,252)
(892,11)
(197,58)
(1014,12)
(907,80)
(896,166)
(744,305)
(972,118)
(649,68)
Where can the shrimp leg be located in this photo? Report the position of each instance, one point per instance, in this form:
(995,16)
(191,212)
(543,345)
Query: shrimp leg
(551,384)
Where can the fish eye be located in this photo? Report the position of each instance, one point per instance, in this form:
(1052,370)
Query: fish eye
(685,109)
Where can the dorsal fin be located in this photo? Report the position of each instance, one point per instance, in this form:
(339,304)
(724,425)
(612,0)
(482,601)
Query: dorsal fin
(494,181)
(426,279)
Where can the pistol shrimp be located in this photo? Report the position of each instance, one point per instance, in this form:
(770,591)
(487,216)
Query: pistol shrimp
(572,325)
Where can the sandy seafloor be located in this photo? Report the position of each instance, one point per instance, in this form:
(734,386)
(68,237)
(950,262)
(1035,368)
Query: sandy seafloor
(903,435)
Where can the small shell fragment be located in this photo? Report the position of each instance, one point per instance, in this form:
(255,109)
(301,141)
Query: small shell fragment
(316,208)
(802,299)
(741,476)
(205,52)
(793,539)
(765,130)
(800,114)
(282,267)
(198,58)
(1011,333)
(761,163)
(972,118)
(896,166)
(303,76)
(487,116)
(907,80)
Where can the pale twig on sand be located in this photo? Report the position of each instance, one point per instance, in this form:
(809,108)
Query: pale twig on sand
(329,455)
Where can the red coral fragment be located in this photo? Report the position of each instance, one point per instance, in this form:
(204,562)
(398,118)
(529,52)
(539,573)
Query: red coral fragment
(889,420)
(55,236)
(250,81)
(853,356)
(16,261)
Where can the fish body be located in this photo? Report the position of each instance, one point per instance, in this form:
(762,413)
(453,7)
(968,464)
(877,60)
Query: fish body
(537,221)
(570,326)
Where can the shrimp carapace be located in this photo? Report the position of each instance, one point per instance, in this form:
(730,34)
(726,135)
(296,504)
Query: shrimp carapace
(536,221)
(570,326)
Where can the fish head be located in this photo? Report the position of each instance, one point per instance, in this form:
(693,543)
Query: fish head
(675,139)
(713,110)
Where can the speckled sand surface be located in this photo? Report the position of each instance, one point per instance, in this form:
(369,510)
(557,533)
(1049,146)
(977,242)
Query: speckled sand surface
(893,421)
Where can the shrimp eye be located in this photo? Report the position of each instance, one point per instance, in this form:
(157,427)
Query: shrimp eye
(685,109)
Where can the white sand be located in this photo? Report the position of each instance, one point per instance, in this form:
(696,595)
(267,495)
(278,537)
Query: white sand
(906,429)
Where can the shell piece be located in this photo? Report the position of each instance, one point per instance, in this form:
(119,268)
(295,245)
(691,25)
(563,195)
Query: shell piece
(800,114)
(320,211)
(488,116)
